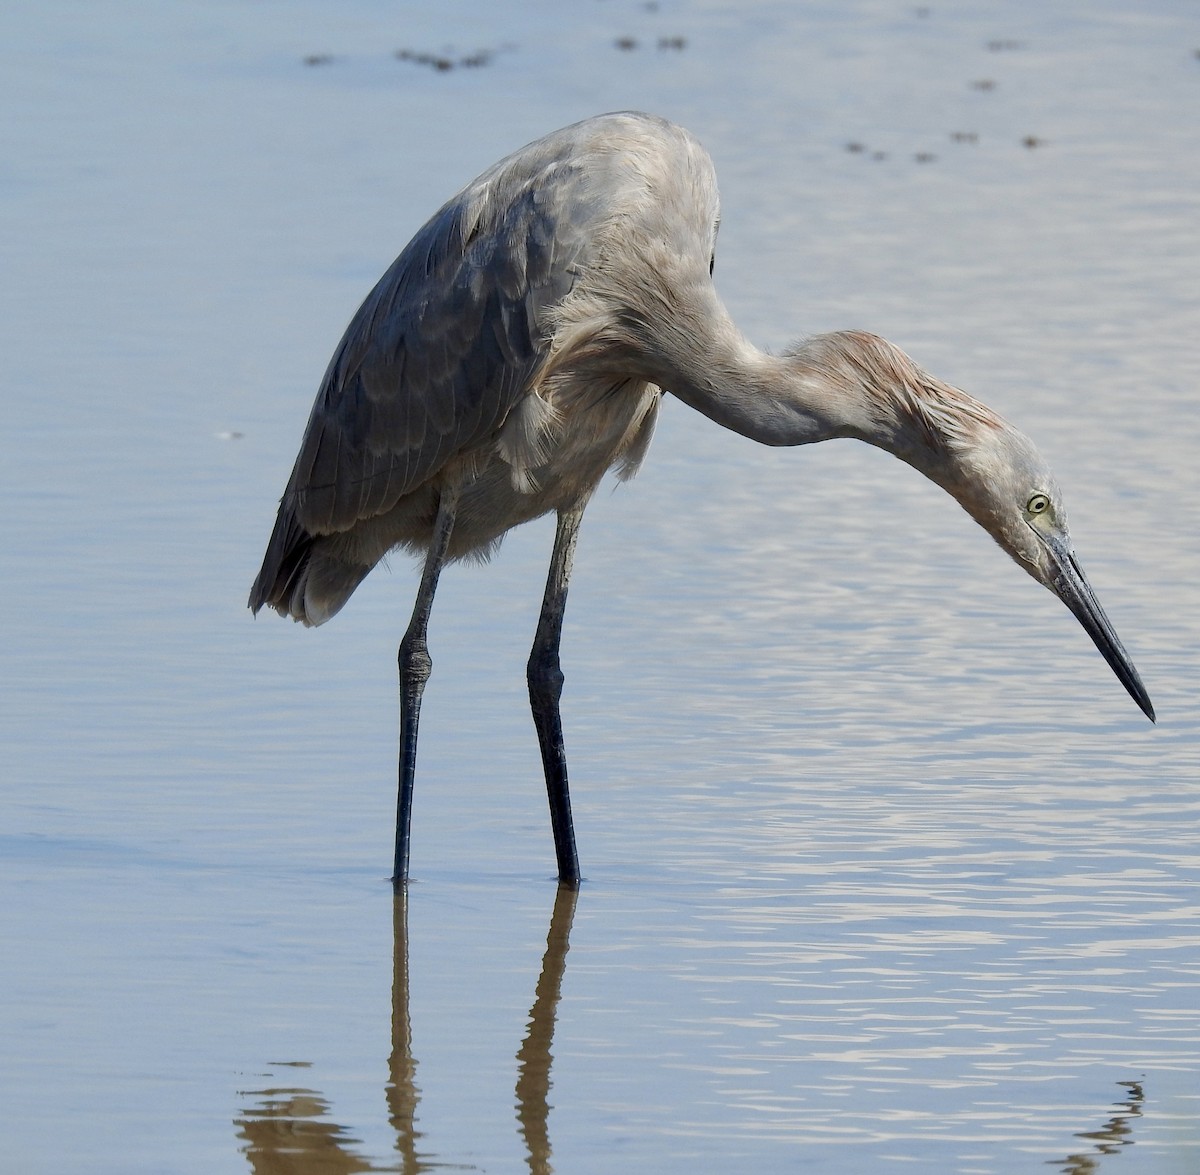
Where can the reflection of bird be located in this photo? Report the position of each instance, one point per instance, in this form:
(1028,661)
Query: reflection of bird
(515,351)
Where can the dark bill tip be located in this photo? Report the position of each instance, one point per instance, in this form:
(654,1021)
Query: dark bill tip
(1073,589)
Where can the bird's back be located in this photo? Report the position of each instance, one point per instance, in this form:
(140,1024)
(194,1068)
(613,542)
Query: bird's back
(491,351)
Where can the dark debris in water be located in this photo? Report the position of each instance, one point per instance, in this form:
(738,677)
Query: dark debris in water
(971,138)
(442,63)
(438,62)
(628,44)
(857,148)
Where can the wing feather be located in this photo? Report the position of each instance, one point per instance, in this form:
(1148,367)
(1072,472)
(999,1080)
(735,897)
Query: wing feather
(440,352)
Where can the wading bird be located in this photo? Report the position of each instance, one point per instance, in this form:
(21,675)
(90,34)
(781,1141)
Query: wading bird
(518,348)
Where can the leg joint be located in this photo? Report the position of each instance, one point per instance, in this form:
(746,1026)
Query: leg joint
(545,677)
(415,662)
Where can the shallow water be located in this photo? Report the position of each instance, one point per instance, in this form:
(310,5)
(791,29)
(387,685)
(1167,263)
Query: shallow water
(883,867)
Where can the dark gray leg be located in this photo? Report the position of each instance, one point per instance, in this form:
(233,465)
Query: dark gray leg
(415,666)
(545,689)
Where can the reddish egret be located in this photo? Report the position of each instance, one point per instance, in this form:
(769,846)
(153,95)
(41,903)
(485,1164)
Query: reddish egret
(518,349)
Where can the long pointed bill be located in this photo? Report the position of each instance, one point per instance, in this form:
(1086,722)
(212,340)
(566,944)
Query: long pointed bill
(1072,587)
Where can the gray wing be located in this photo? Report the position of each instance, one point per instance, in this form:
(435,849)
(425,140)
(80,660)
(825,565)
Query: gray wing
(443,348)
(434,360)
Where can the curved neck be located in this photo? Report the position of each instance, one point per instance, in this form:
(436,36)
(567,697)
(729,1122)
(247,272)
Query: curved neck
(847,384)
(772,399)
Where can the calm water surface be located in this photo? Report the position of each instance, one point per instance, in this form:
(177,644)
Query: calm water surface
(884,870)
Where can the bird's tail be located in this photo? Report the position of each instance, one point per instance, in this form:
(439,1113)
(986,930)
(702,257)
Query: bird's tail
(302,575)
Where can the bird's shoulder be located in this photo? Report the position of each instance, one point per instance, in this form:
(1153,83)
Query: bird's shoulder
(451,337)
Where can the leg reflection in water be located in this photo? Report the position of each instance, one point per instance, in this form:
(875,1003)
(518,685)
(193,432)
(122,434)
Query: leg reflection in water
(403,1095)
(534,1056)
(286,1128)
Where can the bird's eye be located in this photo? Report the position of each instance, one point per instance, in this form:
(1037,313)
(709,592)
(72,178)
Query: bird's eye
(1038,504)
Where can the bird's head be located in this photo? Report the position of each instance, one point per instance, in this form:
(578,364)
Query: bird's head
(855,384)
(1002,481)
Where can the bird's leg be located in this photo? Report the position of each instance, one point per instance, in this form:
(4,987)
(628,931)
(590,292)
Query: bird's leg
(415,667)
(545,689)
